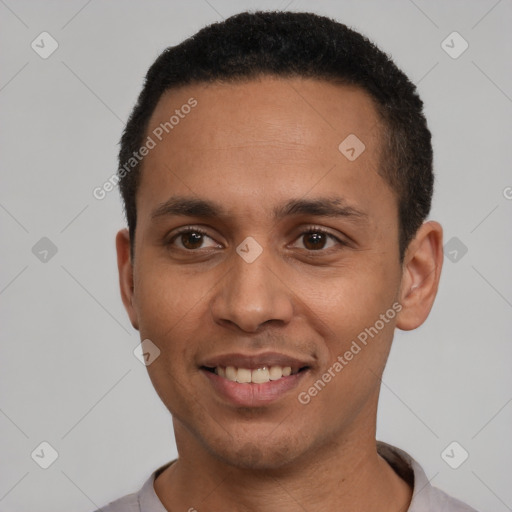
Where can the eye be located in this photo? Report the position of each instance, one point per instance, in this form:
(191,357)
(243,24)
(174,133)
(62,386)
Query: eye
(190,238)
(315,239)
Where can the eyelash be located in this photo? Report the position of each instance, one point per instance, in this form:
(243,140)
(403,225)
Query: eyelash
(309,230)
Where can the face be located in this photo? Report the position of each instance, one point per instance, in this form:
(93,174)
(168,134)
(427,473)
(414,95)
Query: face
(262,253)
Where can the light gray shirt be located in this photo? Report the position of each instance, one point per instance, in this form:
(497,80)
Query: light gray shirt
(426,498)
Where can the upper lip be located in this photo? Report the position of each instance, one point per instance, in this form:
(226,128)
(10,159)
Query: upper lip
(253,361)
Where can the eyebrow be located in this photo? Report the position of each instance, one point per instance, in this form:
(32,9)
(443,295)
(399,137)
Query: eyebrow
(334,207)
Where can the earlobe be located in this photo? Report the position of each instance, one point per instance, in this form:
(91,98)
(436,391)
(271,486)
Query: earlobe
(420,277)
(126,280)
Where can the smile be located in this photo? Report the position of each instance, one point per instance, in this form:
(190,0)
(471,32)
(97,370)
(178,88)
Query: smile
(254,380)
(255,376)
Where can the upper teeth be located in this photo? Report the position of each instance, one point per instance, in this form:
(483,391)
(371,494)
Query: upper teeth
(258,376)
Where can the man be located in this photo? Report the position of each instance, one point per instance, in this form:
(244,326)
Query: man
(276,174)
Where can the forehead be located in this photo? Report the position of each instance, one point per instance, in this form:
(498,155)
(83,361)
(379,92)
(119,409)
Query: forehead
(310,110)
(266,137)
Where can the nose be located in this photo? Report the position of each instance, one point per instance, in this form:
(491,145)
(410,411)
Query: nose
(252,294)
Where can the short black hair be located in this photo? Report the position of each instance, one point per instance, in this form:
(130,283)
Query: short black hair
(296,44)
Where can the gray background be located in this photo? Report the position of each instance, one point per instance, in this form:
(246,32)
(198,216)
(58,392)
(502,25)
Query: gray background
(68,374)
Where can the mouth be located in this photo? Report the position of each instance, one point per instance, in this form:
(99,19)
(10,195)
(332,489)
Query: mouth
(259,375)
(251,381)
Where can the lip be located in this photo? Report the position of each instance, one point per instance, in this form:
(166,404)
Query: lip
(253,395)
(254,361)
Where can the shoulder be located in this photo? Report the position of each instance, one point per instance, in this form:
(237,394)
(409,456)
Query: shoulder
(440,501)
(145,500)
(128,503)
(426,498)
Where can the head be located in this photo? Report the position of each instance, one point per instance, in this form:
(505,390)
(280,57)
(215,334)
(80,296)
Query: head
(296,156)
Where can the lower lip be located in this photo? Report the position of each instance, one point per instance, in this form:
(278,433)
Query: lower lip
(253,395)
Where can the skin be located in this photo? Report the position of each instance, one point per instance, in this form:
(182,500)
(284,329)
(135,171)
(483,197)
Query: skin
(251,147)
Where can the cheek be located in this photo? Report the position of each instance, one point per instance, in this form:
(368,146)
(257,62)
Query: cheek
(168,316)
(350,380)
(162,296)
(357,310)
(353,299)
(169,310)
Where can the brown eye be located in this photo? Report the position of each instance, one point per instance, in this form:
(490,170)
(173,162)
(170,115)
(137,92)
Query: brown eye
(316,239)
(191,239)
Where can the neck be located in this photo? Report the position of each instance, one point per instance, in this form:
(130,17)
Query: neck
(343,475)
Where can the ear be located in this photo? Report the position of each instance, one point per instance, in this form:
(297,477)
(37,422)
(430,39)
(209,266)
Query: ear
(125,268)
(420,276)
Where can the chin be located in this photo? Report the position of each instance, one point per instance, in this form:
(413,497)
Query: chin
(260,451)
(253,456)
